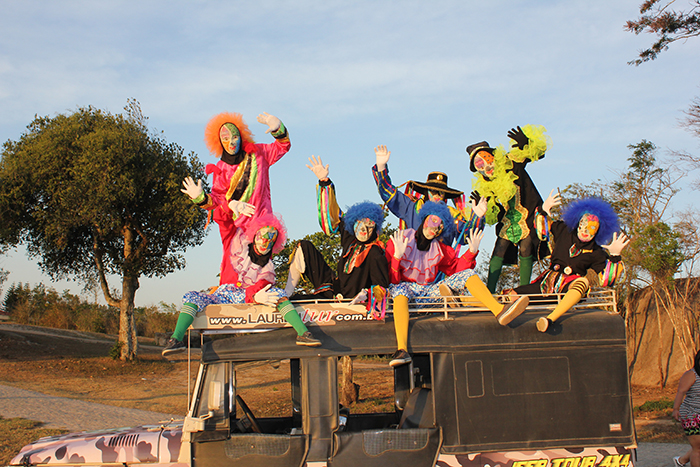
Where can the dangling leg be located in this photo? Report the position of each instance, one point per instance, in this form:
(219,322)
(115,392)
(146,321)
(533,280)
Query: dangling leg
(184,319)
(290,315)
(503,313)
(577,289)
(401,329)
(297,267)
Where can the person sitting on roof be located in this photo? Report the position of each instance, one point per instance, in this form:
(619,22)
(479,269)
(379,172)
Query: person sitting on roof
(406,207)
(416,257)
(362,266)
(578,244)
(251,258)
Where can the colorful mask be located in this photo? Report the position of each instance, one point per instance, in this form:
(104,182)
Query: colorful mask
(483,162)
(432,227)
(230,138)
(587,227)
(436,196)
(265,239)
(363,229)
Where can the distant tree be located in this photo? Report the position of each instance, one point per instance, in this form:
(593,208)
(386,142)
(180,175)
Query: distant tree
(93,194)
(668,25)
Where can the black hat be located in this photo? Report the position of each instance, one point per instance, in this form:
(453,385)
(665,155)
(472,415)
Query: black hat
(473,149)
(437,181)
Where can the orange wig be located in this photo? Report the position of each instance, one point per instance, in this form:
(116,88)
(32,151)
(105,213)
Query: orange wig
(211,132)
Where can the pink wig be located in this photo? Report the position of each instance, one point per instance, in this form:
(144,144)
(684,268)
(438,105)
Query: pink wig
(211,132)
(264,220)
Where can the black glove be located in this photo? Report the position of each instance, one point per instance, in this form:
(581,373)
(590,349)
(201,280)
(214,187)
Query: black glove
(517,135)
(475,196)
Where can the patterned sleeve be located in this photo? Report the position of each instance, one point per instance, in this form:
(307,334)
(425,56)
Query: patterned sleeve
(465,222)
(543,225)
(400,204)
(329,213)
(612,272)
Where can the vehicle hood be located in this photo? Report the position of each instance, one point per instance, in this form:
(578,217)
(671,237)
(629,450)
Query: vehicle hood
(143,444)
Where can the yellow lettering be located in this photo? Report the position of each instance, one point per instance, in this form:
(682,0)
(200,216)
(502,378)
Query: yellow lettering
(557,462)
(588,461)
(605,462)
(625,460)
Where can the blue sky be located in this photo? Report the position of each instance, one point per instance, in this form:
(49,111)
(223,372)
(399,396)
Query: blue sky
(424,78)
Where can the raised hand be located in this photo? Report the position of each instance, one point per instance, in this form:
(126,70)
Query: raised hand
(617,245)
(479,204)
(240,208)
(400,243)
(474,239)
(551,201)
(270,120)
(382,156)
(264,297)
(191,189)
(318,168)
(517,135)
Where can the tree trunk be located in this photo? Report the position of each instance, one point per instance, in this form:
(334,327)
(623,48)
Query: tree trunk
(127,323)
(349,391)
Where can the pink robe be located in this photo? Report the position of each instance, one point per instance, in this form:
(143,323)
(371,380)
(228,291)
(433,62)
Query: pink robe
(254,187)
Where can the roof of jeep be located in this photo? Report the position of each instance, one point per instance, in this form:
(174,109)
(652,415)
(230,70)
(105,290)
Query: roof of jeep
(427,333)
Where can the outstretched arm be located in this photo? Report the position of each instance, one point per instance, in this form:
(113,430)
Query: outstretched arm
(329,213)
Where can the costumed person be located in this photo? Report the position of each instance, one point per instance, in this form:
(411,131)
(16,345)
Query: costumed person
(686,409)
(417,256)
(512,197)
(362,271)
(405,206)
(578,244)
(241,180)
(250,256)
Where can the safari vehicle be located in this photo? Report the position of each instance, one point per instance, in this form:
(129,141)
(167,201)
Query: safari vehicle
(476,394)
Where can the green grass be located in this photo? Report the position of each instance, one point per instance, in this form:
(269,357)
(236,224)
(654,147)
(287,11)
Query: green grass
(655,406)
(15,433)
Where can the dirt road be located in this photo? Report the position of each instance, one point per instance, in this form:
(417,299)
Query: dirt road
(72,414)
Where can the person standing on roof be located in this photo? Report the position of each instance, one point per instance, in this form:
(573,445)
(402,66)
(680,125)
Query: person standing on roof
(416,257)
(241,181)
(253,277)
(362,268)
(512,197)
(578,243)
(406,206)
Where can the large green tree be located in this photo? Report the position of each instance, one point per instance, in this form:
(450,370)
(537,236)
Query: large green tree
(94,195)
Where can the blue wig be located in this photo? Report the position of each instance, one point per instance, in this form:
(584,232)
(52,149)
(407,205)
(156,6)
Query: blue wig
(572,213)
(443,212)
(362,210)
